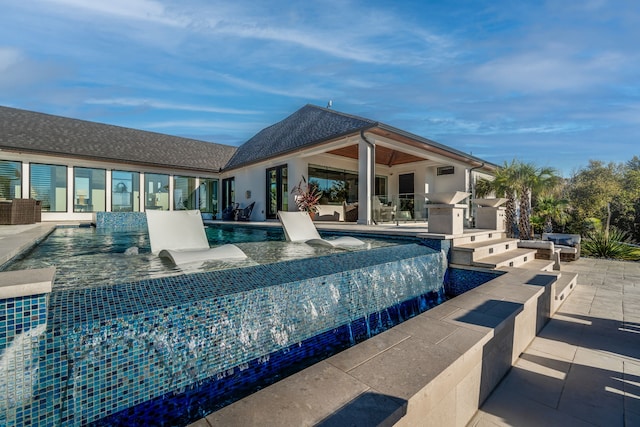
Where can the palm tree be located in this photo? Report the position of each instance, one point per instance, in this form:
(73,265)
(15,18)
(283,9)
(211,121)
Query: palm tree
(503,185)
(531,179)
(551,210)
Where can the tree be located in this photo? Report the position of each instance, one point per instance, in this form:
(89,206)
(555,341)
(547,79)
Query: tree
(591,192)
(531,179)
(503,185)
(551,210)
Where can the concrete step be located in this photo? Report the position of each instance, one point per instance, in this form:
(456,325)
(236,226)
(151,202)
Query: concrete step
(512,258)
(477,235)
(564,286)
(539,265)
(468,253)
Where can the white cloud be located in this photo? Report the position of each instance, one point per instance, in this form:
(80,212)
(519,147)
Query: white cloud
(9,57)
(143,10)
(209,125)
(547,71)
(150,103)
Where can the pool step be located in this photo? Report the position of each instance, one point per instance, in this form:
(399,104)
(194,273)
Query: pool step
(478,236)
(469,253)
(512,258)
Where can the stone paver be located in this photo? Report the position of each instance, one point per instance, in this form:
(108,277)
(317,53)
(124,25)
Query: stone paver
(584,366)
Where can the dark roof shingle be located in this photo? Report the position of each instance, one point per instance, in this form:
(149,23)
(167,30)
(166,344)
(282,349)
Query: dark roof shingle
(29,131)
(307,126)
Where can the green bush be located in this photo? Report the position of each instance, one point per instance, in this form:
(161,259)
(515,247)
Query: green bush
(613,245)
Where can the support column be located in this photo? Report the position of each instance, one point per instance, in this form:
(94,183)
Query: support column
(366,174)
(26,185)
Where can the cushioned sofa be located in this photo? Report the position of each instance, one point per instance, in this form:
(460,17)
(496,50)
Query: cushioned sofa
(569,244)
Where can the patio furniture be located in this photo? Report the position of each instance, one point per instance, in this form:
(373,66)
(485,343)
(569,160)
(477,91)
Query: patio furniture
(350,212)
(329,212)
(245,213)
(229,213)
(569,245)
(298,227)
(37,211)
(383,211)
(180,237)
(18,211)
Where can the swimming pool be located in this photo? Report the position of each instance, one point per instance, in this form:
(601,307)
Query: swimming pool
(92,257)
(172,349)
(175,347)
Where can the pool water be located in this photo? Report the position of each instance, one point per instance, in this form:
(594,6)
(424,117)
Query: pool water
(91,257)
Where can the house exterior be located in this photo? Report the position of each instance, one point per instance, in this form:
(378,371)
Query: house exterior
(77,168)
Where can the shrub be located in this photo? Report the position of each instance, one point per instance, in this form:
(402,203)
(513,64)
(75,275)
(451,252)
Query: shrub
(613,244)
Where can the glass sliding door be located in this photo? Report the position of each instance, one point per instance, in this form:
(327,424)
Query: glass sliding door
(156,191)
(277,191)
(208,196)
(228,192)
(10,180)
(125,191)
(184,193)
(48,183)
(406,194)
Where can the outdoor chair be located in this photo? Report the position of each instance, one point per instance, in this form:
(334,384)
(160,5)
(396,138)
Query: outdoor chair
(245,213)
(180,237)
(298,227)
(229,213)
(350,212)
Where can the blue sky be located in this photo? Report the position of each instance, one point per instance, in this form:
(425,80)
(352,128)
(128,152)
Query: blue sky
(556,83)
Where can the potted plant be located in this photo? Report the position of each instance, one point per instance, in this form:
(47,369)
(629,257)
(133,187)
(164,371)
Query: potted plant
(307,196)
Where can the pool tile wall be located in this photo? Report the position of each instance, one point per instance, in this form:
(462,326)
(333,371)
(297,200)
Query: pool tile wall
(111,348)
(459,281)
(23,322)
(121,220)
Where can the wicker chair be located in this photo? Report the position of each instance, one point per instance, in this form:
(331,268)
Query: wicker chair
(18,211)
(350,212)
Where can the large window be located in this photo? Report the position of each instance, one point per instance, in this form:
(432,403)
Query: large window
(48,183)
(208,195)
(156,191)
(89,190)
(336,185)
(10,180)
(184,193)
(125,191)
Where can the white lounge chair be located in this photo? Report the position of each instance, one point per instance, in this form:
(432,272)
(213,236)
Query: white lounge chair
(180,236)
(298,227)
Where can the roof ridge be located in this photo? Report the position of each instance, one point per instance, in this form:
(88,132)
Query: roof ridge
(340,113)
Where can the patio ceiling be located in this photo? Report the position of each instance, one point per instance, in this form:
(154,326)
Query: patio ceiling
(384,155)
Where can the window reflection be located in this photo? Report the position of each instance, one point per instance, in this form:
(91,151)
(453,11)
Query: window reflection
(48,183)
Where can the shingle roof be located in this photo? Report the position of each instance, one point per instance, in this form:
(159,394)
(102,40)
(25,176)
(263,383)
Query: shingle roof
(308,126)
(33,132)
(313,125)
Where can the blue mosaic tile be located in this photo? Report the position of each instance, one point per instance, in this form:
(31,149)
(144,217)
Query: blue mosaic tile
(458,281)
(121,220)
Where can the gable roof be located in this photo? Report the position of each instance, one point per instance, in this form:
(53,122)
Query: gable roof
(38,133)
(312,125)
(308,126)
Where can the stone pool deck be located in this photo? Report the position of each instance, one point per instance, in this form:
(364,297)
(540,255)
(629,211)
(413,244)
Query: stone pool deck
(583,368)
